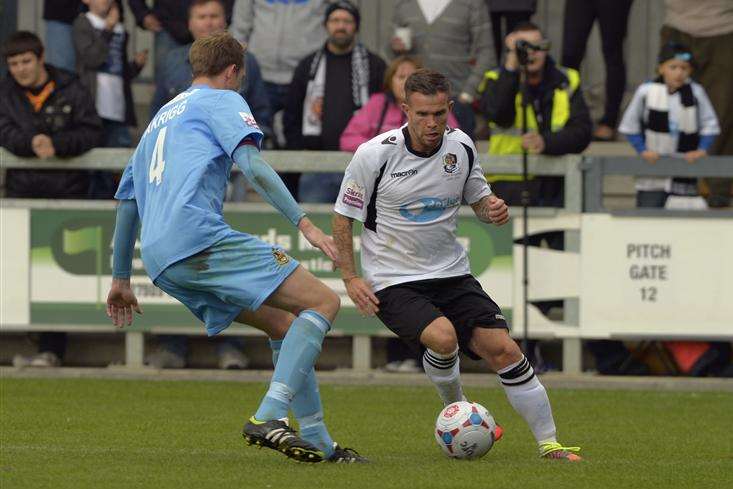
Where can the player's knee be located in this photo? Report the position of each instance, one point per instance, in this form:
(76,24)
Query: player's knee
(329,304)
(504,354)
(333,303)
(281,324)
(442,340)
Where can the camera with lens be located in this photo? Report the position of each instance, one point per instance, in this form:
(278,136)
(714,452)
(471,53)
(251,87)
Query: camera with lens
(524,47)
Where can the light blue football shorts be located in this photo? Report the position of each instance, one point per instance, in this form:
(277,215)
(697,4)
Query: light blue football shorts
(238,272)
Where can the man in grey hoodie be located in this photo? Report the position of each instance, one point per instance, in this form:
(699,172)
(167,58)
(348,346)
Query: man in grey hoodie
(279,34)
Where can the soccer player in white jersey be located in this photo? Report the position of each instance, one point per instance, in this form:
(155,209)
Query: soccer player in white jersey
(406,186)
(174,184)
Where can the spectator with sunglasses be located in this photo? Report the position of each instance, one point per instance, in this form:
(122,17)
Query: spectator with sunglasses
(558,121)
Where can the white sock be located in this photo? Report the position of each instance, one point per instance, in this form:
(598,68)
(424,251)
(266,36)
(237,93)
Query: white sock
(444,371)
(528,397)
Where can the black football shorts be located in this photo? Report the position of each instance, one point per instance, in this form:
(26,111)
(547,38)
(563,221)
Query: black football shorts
(408,308)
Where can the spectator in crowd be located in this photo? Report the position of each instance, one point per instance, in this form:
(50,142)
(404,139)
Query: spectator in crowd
(44,112)
(512,13)
(557,118)
(382,113)
(168,21)
(328,86)
(612,20)
(706,26)
(206,17)
(452,37)
(670,116)
(58,15)
(100,42)
(558,123)
(279,34)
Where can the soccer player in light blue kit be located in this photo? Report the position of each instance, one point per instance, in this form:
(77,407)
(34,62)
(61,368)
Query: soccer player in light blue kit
(175,184)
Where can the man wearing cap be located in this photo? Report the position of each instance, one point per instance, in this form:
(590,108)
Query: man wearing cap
(328,86)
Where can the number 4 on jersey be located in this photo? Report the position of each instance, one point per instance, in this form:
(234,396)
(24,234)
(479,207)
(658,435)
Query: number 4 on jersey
(157,163)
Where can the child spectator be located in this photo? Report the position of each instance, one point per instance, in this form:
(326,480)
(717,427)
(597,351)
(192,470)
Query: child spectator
(670,116)
(383,111)
(100,42)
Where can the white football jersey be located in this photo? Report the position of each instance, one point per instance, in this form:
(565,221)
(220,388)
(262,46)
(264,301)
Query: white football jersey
(408,202)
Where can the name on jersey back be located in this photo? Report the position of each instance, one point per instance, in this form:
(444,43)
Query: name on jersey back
(173,109)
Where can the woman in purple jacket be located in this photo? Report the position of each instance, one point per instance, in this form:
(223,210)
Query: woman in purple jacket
(383,112)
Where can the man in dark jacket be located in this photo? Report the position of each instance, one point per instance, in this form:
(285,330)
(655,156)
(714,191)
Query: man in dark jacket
(168,21)
(207,17)
(328,86)
(558,121)
(44,112)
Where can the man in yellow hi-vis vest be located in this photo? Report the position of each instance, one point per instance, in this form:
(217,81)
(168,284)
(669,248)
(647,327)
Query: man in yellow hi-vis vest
(558,121)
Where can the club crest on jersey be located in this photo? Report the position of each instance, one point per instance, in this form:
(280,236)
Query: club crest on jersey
(450,163)
(248,119)
(280,257)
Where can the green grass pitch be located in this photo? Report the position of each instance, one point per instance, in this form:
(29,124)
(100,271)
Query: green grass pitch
(78,433)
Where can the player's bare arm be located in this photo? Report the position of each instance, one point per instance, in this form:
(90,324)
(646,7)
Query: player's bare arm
(319,239)
(491,209)
(359,291)
(121,300)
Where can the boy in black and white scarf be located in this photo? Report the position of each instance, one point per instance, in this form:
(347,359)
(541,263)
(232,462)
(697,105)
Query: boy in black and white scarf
(670,116)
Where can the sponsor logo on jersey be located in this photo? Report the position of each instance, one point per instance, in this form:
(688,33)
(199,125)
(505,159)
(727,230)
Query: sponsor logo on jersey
(450,163)
(406,173)
(280,257)
(427,209)
(353,195)
(248,119)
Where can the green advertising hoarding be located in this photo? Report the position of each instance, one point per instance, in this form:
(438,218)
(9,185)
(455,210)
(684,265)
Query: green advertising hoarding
(71,258)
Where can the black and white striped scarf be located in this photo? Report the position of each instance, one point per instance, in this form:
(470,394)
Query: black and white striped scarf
(317,86)
(658,135)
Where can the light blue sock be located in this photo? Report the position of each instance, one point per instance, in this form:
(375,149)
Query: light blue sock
(298,354)
(307,407)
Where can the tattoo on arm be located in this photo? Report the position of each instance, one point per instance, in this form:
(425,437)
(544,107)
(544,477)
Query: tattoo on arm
(342,228)
(481,209)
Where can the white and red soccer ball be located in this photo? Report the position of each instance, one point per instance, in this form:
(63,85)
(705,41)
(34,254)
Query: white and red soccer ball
(465,430)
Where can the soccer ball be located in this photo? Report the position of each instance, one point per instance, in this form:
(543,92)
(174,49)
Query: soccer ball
(465,430)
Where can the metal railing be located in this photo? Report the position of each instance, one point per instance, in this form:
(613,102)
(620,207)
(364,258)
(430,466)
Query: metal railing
(583,181)
(316,162)
(595,169)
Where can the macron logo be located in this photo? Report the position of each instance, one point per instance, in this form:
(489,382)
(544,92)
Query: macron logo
(406,173)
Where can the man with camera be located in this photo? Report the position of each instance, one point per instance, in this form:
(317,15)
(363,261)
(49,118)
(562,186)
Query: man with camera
(558,121)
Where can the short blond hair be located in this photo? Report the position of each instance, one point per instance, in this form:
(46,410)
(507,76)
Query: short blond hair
(211,55)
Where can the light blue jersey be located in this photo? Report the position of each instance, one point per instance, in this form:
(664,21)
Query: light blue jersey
(179,171)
